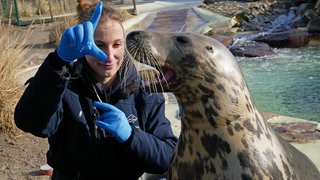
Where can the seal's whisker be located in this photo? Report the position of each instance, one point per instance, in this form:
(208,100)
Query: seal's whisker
(155,63)
(151,75)
(136,52)
(150,70)
(156,77)
(140,56)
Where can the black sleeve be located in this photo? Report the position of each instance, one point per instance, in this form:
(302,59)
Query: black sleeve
(154,145)
(39,110)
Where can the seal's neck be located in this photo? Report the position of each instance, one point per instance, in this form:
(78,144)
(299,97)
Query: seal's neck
(220,103)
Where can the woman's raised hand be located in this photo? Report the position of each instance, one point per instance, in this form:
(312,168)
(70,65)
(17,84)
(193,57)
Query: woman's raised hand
(78,41)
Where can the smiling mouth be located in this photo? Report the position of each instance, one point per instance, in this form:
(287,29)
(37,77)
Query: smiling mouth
(106,66)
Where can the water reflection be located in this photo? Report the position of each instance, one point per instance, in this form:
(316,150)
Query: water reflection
(287,82)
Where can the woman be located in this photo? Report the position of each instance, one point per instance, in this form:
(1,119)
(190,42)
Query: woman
(87,99)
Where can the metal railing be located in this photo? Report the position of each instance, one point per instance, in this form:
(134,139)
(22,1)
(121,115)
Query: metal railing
(9,11)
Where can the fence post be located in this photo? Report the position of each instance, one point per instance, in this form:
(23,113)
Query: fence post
(50,10)
(134,5)
(17,12)
(135,11)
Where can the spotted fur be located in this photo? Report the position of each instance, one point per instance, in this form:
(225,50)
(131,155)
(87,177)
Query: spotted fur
(223,134)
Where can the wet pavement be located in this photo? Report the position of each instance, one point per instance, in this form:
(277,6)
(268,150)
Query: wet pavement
(181,20)
(147,6)
(172,16)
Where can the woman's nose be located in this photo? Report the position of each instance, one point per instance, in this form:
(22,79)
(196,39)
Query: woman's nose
(109,52)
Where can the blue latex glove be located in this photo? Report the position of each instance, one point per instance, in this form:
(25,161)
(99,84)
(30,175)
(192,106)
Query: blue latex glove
(78,40)
(114,121)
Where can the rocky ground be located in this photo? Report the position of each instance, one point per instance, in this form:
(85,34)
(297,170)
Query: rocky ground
(21,157)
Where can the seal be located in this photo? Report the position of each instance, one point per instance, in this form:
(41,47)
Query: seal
(223,134)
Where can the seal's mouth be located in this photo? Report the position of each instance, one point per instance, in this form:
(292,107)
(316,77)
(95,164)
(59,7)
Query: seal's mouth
(158,79)
(167,74)
(157,75)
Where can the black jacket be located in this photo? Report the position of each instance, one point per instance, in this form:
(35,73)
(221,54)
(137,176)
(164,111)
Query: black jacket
(58,104)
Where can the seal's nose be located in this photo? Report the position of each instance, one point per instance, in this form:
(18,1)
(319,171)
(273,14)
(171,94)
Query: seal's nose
(137,35)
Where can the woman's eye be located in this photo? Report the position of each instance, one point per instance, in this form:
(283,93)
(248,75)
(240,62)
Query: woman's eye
(99,45)
(117,45)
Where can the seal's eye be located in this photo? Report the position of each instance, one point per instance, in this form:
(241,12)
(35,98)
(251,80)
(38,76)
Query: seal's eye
(210,49)
(182,39)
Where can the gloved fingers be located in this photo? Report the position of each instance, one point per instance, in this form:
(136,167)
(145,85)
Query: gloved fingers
(75,43)
(87,41)
(79,37)
(105,107)
(96,15)
(110,116)
(98,53)
(110,127)
(103,125)
(69,37)
(90,47)
(88,33)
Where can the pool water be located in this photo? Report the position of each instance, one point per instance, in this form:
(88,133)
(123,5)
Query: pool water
(286,83)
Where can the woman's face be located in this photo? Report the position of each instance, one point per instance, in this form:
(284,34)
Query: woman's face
(109,37)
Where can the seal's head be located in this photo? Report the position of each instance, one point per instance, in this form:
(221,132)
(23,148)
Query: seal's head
(192,56)
(188,63)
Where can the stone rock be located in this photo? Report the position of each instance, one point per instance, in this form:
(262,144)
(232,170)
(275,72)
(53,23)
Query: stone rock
(293,38)
(209,1)
(297,131)
(314,25)
(225,40)
(250,49)
(222,31)
(305,12)
(223,35)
